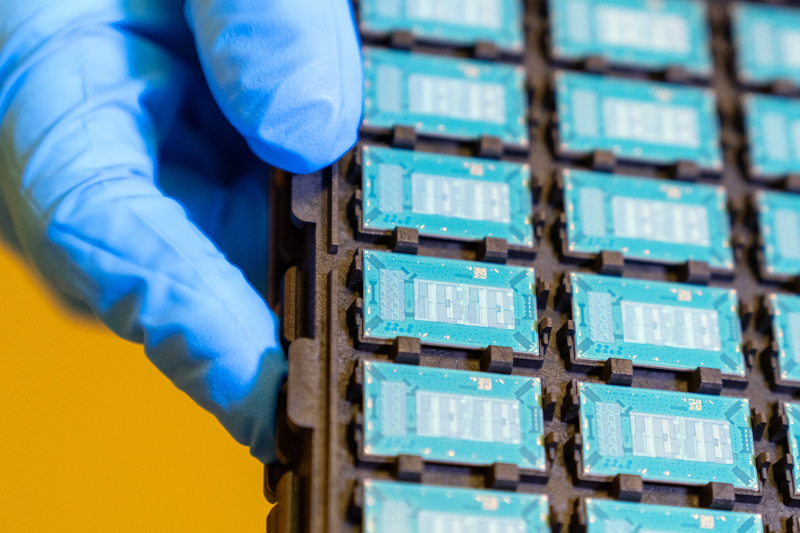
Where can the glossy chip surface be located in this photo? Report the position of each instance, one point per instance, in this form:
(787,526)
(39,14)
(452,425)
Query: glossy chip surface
(647,219)
(786,334)
(779,227)
(643,121)
(773,135)
(667,437)
(673,326)
(453,416)
(793,414)
(445,302)
(460,22)
(766,40)
(391,507)
(605,516)
(445,97)
(449,197)
(635,34)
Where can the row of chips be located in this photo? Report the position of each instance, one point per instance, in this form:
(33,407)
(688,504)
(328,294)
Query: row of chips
(408,508)
(630,34)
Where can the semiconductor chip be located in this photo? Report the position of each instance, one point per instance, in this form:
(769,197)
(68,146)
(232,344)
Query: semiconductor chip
(452,416)
(605,516)
(766,40)
(460,22)
(634,34)
(642,121)
(462,99)
(646,219)
(792,469)
(666,437)
(391,507)
(445,196)
(773,135)
(445,302)
(655,324)
(786,335)
(779,226)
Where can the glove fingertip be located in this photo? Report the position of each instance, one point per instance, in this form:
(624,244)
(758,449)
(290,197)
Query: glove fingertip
(323,149)
(287,76)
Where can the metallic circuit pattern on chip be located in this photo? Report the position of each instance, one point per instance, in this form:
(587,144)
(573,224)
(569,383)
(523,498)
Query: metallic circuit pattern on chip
(391,507)
(672,326)
(606,516)
(447,97)
(645,219)
(666,437)
(642,121)
(452,416)
(460,198)
(459,22)
(445,302)
(634,34)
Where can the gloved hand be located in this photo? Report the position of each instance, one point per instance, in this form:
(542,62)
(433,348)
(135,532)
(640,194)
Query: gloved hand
(130,185)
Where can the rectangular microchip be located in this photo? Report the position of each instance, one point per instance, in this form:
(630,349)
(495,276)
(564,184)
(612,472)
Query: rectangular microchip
(452,416)
(779,226)
(666,437)
(646,219)
(459,22)
(444,196)
(634,34)
(445,97)
(786,334)
(391,507)
(450,303)
(773,135)
(607,516)
(642,121)
(766,40)
(673,326)
(793,436)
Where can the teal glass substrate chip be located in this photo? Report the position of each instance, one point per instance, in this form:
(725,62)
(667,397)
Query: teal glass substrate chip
(646,219)
(779,227)
(793,436)
(452,416)
(444,302)
(460,22)
(607,516)
(673,326)
(786,334)
(773,135)
(632,33)
(642,121)
(766,40)
(391,507)
(445,97)
(450,197)
(666,437)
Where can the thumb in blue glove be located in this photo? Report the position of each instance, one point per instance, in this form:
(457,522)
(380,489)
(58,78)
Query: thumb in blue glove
(133,187)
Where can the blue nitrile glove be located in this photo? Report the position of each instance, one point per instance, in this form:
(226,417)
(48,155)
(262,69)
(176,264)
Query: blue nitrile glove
(127,188)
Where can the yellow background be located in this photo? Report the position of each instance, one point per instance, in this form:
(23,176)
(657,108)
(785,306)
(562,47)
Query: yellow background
(94,438)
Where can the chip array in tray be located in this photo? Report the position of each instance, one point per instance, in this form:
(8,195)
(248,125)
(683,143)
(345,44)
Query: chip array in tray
(555,276)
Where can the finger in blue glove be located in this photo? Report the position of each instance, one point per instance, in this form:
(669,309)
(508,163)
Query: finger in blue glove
(104,108)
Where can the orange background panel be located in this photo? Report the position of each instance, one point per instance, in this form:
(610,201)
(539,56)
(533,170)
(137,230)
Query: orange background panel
(94,438)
